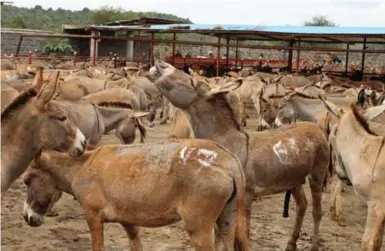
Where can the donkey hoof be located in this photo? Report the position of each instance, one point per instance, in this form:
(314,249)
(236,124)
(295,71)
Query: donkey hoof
(314,248)
(163,122)
(291,247)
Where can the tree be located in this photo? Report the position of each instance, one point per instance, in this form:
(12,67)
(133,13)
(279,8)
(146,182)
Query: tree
(17,22)
(320,21)
(106,14)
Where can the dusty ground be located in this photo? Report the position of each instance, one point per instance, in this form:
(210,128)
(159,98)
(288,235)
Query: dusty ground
(270,231)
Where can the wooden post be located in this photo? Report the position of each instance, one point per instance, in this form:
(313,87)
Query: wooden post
(298,54)
(363,58)
(138,52)
(30,57)
(236,54)
(74,57)
(347,59)
(173,49)
(19,46)
(218,55)
(152,49)
(227,52)
(290,57)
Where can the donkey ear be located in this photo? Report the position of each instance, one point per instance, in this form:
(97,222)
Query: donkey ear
(373,112)
(277,79)
(47,92)
(230,86)
(361,98)
(139,114)
(38,79)
(332,108)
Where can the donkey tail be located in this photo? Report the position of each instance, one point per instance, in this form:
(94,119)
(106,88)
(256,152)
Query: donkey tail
(241,241)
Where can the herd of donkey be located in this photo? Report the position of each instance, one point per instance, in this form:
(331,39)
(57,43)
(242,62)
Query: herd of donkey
(210,169)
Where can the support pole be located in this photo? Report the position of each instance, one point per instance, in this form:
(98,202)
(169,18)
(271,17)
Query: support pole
(236,54)
(227,52)
(94,56)
(152,49)
(19,46)
(363,58)
(290,57)
(218,56)
(347,59)
(173,49)
(298,54)
(138,50)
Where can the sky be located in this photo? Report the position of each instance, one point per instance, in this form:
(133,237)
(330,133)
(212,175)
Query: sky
(253,12)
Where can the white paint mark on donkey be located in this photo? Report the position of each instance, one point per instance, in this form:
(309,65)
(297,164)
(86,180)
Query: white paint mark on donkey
(285,151)
(210,157)
(185,156)
(204,156)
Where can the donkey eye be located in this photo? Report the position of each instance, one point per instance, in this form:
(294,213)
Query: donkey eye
(62,118)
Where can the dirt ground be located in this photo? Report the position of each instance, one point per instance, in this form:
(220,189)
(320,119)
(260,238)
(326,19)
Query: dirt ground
(270,231)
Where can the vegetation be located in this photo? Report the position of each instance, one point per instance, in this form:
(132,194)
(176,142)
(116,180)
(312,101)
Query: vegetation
(49,19)
(60,46)
(319,21)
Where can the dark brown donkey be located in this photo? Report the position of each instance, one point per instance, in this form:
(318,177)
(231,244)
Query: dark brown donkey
(30,124)
(273,161)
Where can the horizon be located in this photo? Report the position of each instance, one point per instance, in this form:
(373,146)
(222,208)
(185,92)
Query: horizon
(343,13)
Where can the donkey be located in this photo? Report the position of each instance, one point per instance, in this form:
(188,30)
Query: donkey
(361,159)
(122,95)
(371,115)
(202,184)
(7,96)
(103,118)
(31,123)
(273,161)
(303,107)
(180,126)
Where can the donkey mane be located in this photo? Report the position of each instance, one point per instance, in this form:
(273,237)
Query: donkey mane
(231,101)
(361,120)
(18,102)
(119,104)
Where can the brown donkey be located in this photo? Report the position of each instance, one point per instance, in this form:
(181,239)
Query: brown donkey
(150,185)
(273,161)
(31,123)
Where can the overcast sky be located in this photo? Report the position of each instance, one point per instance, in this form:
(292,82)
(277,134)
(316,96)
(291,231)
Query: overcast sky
(254,12)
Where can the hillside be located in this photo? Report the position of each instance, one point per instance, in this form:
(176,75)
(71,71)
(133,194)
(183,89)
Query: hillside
(50,19)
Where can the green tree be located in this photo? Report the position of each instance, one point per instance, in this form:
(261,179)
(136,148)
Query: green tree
(106,14)
(320,21)
(17,22)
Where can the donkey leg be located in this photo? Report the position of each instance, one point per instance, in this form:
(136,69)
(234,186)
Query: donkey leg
(226,226)
(133,235)
(165,111)
(95,225)
(248,208)
(335,203)
(202,239)
(301,205)
(374,228)
(316,186)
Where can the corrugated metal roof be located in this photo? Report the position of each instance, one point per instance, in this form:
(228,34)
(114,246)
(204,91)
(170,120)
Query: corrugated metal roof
(316,30)
(143,20)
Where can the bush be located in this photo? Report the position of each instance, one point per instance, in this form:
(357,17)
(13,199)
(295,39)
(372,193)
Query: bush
(60,46)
